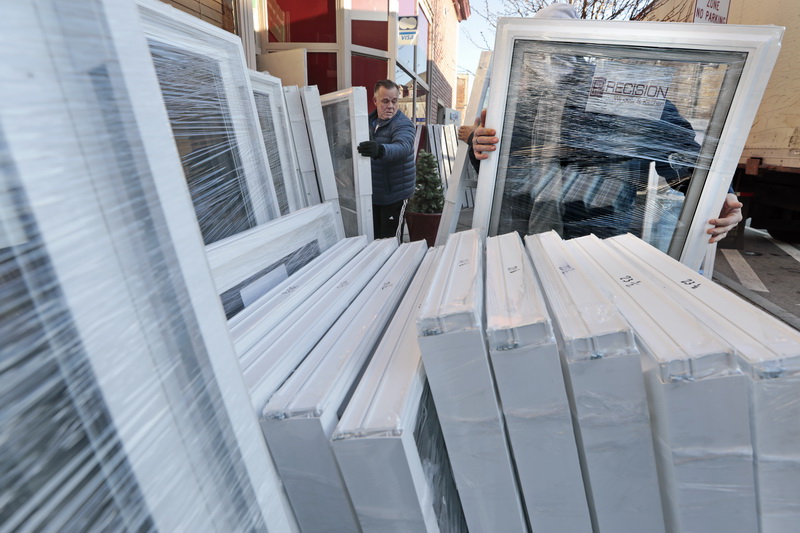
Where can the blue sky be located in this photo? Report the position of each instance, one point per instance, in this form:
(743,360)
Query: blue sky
(468,53)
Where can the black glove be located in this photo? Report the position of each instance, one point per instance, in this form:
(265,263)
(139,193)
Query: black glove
(371,149)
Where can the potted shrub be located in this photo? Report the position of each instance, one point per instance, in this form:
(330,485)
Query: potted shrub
(424,209)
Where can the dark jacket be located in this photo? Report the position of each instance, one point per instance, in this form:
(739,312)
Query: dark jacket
(394,174)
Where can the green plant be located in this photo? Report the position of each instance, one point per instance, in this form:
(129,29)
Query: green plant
(428,194)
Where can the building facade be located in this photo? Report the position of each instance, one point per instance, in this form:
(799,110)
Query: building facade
(336,44)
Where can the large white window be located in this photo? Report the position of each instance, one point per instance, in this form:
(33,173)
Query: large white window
(613,127)
(207,92)
(121,401)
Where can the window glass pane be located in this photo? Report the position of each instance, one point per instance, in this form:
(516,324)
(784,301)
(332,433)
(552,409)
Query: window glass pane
(309,21)
(366,71)
(421,105)
(265,119)
(607,139)
(203,133)
(322,71)
(371,33)
(405,52)
(340,138)
(406,101)
(422,48)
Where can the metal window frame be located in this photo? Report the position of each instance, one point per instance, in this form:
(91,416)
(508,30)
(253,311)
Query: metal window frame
(761,43)
(270,86)
(173,27)
(102,293)
(356,98)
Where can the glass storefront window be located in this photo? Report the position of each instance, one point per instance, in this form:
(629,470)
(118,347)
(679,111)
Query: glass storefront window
(421,105)
(366,71)
(421,66)
(309,21)
(322,71)
(406,101)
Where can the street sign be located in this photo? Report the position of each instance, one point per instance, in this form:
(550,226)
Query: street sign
(711,11)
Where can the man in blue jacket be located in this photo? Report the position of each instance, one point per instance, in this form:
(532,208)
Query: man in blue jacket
(393,159)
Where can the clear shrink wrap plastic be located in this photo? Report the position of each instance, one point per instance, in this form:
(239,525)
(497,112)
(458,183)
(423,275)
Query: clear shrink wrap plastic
(583,125)
(208,96)
(390,430)
(121,401)
(346,123)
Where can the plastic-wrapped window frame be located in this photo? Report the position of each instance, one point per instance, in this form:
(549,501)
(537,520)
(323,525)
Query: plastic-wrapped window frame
(361,167)
(462,168)
(450,325)
(274,120)
(300,418)
(697,396)
(247,265)
(769,352)
(246,177)
(303,156)
(129,413)
(390,430)
(760,45)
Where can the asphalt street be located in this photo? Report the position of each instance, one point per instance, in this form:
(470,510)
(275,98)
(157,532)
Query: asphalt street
(765,271)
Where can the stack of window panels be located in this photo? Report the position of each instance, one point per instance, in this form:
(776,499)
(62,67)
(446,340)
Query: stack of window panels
(299,419)
(527,369)
(453,345)
(390,431)
(311,144)
(299,325)
(769,354)
(603,375)
(697,395)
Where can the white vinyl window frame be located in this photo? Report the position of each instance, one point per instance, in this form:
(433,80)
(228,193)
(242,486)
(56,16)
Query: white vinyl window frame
(301,416)
(459,184)
(303,155)
(356,98)
(174,28)
(269,87)
(320,148)
(240,260)
(97,86)
(761,44)
(375,438)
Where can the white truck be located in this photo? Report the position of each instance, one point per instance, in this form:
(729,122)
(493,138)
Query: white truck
(768,177)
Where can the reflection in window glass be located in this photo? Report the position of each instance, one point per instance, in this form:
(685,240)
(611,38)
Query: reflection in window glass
(605,140)
(421,66)
(406,101)
(309,21)
(266,120)
(421,104)
(204,136)
(340,138)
